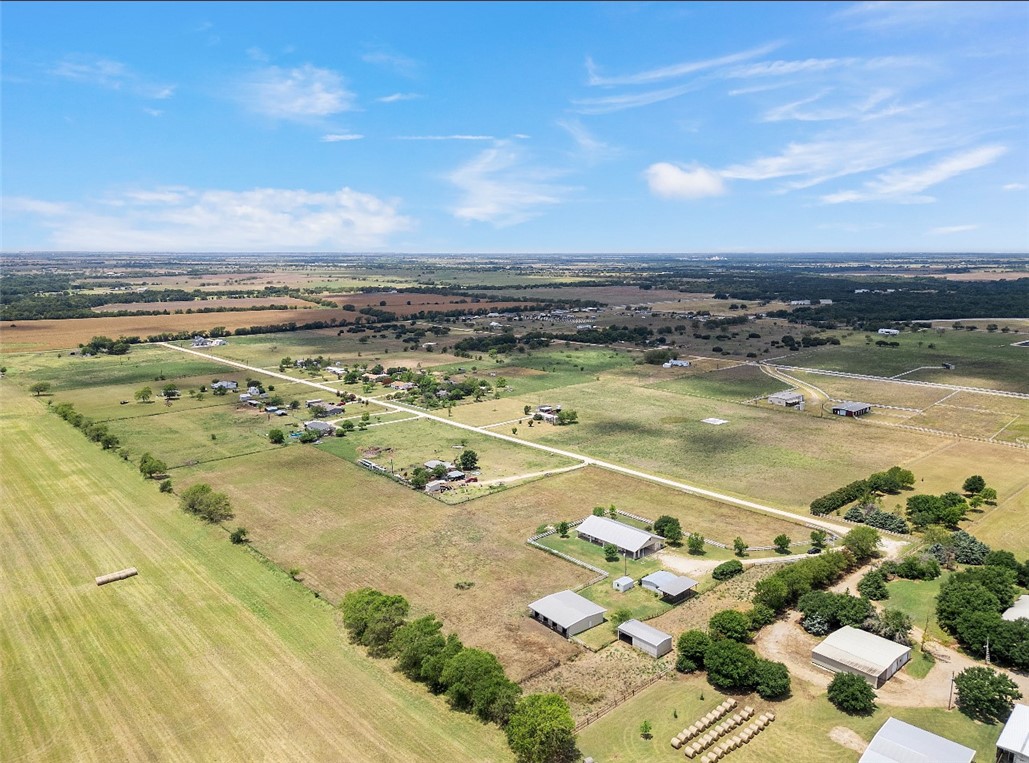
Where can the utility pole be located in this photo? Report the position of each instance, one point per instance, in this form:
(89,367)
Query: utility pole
(951,697)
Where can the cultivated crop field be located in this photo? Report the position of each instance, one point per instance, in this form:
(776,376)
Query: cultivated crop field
(207,649)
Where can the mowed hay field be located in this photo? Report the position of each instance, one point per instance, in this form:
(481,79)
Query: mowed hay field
(207,654)
(69,333)
(229,303)
(346,528)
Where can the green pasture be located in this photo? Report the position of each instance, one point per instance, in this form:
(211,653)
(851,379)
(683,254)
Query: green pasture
(917,598)
(735,384)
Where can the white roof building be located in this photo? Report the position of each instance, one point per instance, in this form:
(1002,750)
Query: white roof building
(1013,745)
(567,612)
(850,650)
(1018,610)
(645,638)
(675,587)
(628,539)
(899,742)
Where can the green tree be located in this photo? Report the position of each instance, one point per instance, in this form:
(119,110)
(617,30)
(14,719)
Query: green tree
(420,478)
(771,680)
(166,486)
(171,389)
(525,410)
(851,694)
(974,484)
(873,586)
(151,467)
(415,642)
(620,616)
(988,494)
(610,552)
(818,538)
(599,511)
(985,695)
(371,618)
(895,625)
(468,460)
(434,665)
(143,395)
(862,542)
(729,624)
(541,730)
(202,501)
(276,437)
(668,528)
(782,543)
(739,546)
(562,529)
(645,729)
(476,683)
(40,388)
(239,536)
(729,664)
(695,543)
(690,649)
(727,570)
(567,417)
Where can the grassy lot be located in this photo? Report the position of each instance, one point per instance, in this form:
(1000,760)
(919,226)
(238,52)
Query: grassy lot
(799,732)
(774,455)
(207,649)
(346,527)
(981,359)
(918,599)
(594,554)
(875,392)
(736,384)
(643,605)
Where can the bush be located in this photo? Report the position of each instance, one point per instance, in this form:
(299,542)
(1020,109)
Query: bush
(771,680)
(855,514)
(695,543)
(166,486)
(691,646)
(782,543)
(728,569)
(914,568)
(851,694)
(729,624)
(839,498)
(886,521)
(541,730)
(202,501)
(968,549)
(759,616)
(371,618)
(238,536)
(730,664)
(276,437)
(985,695)
(873,586)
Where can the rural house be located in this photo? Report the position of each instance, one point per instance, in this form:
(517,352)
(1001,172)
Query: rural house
(226,384)
(673,588)
(850,650)
(567,613)
(674,363)
(321,427)
(889,332)
(201,341)
(788,399)
(645,638)
(627,539)
(1013,745)
(851,409)
(899,742)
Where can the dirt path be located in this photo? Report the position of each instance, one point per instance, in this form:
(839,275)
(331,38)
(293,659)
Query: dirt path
(685,565)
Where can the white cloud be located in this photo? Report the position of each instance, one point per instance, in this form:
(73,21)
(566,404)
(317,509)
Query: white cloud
(153,112)
(675,70)
(671,181)
(589,146)
(336,137)
(445,137)
(864,109)
(186,219)
(397,97)
(908,14)
(612,103)
(301,93)
(110,75)
(1015,186)
(781,68)
(905,186)
(949,230)
(399,63)
(498,187)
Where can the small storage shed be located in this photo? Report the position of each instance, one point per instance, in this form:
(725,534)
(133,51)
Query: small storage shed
(850,650)
(645,638)
(899,742)
(567,612)
(671,587)
(623,584)
(850,408)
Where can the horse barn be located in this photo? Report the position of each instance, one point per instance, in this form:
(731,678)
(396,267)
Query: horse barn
(645,638)
(627,539)
(851,409)
(854,651)
(788,399)
(567,613)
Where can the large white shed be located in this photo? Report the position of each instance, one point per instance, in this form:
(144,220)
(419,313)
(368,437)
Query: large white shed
(567,612)
(899,742)
(850,650)
(645,638)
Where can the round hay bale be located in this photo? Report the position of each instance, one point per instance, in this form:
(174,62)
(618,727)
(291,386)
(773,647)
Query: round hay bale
(771,716)
(737,719)
(676,743)
(690,754)
(732,702)
(749,710)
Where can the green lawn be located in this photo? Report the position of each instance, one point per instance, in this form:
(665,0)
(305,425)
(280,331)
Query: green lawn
(594,554)
(208,652)
(735,384)
(918,599)
(641,603)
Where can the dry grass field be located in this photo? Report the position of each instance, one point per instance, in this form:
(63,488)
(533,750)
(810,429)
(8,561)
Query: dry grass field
(208,654)
(408,304)
(242,303)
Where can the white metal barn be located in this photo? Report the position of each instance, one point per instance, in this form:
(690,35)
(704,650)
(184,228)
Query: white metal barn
(850,650)
(899,742)
(1013,745)
(567,613)
(645,638)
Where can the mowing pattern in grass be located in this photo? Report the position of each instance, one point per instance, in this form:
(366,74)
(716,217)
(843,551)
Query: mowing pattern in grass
(736,384)
(207,649)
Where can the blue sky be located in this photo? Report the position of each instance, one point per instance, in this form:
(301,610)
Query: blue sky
(535,127)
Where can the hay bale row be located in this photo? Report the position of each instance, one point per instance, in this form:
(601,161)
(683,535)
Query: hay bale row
(119,575)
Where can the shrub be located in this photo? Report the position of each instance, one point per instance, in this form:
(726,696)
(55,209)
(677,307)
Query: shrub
(238,536)
(771,680)
(730,664)
(726,570)
(851,694)
(782,543)
(691,646)
(886,521)
(610,552)
(729,624)
(873,586)
(202,501)
(984,694)
(166,486)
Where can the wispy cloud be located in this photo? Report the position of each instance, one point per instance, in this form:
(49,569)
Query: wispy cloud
(905,186)
(498,186)
(612,103)
(445,137)
(397,62)
(670,181)
(908,14)
(397,97)
(337,137)
(589,146)
(783,68)
(675,70)
(950,230)
(864,109)
(109,74)
(187,219)
(153,112)
(302,93)
(1015,186)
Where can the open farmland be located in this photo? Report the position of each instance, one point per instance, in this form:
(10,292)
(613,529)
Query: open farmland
(70,332)
(206,650)
(226,303)
(404,304)
(345,528)
(738,383)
